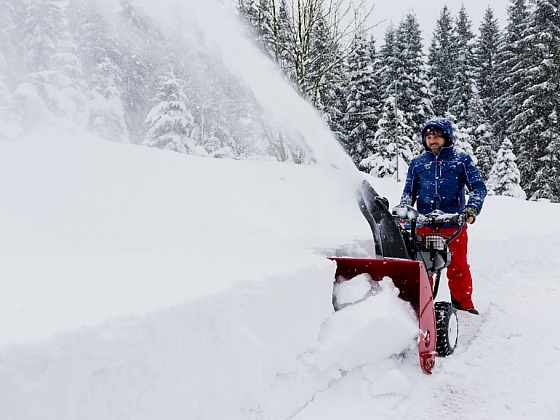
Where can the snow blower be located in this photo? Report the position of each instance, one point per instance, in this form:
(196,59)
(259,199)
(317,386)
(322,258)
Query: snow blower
(411,261)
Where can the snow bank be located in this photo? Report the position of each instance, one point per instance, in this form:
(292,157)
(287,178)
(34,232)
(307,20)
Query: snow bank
(139,283)
(145,284)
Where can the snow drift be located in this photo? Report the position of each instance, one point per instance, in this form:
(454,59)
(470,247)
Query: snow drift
(140,283)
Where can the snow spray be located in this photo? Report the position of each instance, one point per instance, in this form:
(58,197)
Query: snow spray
(227,37)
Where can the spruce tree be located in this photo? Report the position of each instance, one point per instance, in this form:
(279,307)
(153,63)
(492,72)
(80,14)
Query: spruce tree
(143,50)
(39,27)
(7,52)
(514,60)
(465,103)
(463,96)
(95,38)
(487,79)
(537,125)
(388,58)
(504,178)
(486,51)
(106,110)
(260,18)
(170,123)
(333,98)
(412,86)
(387,157)
(360,115)
(53,69)
(544,100)
(547,179)
(280,38)
(70,80)
(8,55)
(9,122)
(462,137)
(323,60)
(483,150)
(442,58)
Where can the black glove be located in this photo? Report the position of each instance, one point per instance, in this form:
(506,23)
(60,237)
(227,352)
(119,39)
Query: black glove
(469,211)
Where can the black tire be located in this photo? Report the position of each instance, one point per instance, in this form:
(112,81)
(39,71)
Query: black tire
(447,328)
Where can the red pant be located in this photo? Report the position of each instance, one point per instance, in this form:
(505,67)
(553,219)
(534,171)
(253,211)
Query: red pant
(458,272)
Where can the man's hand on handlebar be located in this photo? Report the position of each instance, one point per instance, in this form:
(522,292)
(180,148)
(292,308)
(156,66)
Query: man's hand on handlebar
(406,212)
(469,214)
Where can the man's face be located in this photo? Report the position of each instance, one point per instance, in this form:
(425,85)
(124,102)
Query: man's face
(434,142)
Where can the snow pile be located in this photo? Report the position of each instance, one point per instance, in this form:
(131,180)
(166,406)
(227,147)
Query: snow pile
(357,335)
(139,283)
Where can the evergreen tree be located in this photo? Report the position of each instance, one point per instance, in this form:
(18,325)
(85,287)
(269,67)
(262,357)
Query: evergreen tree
(462,137)
(393,123)
(39,27)
(227,120)
(9,122)
(361,115)
(333,97)
(95,38)
(465,103)
(487,78)
(463,95)
(170,123)
(106,111)
(484,151)
(406,100)
(411,83)
(260,18)
(387,158)
(8,56)
(537,124)
(547,179)
(53,70)
(321,76)
(7,52)
(442,58)
(68,80)
(486,51)
(281,40)
(389,60)
(504,177)
(513,61)
(97,49)
(143,50)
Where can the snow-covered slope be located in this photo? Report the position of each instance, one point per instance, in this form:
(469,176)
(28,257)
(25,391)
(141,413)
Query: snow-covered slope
(143,284)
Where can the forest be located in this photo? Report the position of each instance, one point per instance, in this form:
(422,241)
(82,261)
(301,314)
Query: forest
(127,77)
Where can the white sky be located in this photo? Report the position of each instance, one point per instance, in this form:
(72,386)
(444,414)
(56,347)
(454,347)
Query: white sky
(428,11)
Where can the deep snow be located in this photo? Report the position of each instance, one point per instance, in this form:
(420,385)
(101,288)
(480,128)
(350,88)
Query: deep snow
(144,284)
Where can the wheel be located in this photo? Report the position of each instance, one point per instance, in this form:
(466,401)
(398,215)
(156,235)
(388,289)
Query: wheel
(447,328)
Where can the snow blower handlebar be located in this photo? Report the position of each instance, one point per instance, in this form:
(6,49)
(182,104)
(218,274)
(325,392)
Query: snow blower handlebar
(435,219)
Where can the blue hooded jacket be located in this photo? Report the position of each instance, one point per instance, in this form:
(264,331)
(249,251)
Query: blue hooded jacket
(445,177)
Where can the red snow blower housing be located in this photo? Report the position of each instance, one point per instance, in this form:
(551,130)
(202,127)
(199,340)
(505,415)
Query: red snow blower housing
(411,261)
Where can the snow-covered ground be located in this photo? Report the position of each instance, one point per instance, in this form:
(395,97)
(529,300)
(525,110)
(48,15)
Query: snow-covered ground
(138,284)
(142,284)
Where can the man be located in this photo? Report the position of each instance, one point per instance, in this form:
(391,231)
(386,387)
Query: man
(437,179)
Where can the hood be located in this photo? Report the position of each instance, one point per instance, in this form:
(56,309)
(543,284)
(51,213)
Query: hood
(445,125)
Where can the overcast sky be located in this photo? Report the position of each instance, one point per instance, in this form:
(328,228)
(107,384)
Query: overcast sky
(428,11)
